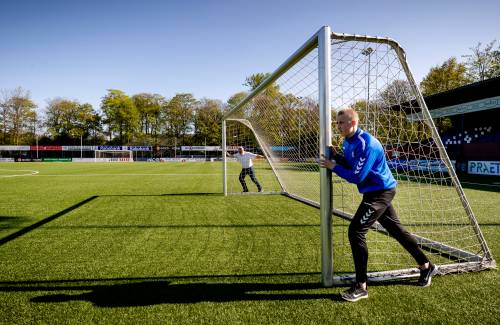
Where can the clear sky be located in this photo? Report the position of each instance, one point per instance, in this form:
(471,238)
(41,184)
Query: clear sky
(79,49)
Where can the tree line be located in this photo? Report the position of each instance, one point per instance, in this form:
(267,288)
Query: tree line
(142,119)
(150,119)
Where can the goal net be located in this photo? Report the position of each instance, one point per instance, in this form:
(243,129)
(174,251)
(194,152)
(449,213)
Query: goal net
(114,156)
(288,119)
(240,135)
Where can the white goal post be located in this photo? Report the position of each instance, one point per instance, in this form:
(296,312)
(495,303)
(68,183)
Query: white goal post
(113,155)
(288,119)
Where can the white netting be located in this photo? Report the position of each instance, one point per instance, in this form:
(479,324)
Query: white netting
(285,119)
(114,155)
(239,135)
(369,76)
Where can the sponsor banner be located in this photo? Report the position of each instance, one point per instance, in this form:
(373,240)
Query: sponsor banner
(179,159)
(162,148)
(57,159)
(139,148)
(15,148)
(88,160)
(201,148)
(111,148)
(433,166)
(46,148)
(84,159)
(78,148)
(484,168)
(6,159)
(112,160)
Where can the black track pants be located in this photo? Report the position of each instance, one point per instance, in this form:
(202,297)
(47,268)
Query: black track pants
(377,206)
(250,172)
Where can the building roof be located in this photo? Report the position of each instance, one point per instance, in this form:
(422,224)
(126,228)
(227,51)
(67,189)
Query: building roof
(478,96)
(476,91)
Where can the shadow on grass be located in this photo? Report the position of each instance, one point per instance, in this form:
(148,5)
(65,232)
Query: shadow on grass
(17,234)
(7,222)
(133,292)
(40,223)
(146,291)
(164,292)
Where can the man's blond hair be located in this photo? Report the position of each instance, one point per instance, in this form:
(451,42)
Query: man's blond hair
(350,113)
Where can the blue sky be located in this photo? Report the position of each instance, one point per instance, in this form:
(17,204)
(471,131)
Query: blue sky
(79,49)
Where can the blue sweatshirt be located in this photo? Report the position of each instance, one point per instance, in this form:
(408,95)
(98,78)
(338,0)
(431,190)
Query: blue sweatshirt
(365,164)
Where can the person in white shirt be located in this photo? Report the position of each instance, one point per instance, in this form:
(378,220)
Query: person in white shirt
(245,159)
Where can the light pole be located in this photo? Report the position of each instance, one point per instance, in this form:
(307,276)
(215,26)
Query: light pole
(367,52)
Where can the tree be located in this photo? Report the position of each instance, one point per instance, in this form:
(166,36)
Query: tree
(483,63)
(121,115)
(179,115)
(207,122)
(397,92)
(4,116)
(68,121)
(449,75)
(60,117)
(149,108)
(87,123)
(18,116)
(256,79)
(94,126)
(235,100)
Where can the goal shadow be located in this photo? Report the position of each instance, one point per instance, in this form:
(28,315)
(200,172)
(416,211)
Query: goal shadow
(133,292)
(42,222)
(75,206)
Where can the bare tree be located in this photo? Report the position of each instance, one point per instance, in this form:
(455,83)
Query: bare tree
(483,63)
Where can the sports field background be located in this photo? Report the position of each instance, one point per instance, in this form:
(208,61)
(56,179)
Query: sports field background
(158,243)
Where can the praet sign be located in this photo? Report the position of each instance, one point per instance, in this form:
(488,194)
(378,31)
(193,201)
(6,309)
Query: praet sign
(484,168)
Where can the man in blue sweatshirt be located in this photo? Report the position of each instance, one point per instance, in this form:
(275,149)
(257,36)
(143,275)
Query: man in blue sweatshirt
(363,163)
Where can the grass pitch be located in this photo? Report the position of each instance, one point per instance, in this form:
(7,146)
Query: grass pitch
(158,243)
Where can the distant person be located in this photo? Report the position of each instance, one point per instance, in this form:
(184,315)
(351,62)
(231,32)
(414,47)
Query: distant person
(245,159)
(363,163)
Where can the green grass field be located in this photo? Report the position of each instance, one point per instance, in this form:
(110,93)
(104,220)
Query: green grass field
(158,243)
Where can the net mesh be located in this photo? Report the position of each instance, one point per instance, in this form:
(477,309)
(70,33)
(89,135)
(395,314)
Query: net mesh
(114,155)
(282,122)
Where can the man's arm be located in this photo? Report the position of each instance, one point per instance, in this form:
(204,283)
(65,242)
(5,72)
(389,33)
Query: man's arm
(365,158)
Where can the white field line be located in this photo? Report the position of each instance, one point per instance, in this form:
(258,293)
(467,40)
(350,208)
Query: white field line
(29,172)
(85,175)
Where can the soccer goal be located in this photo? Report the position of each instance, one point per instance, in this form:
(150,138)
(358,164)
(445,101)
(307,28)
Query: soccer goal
(288,119)
(114,156)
